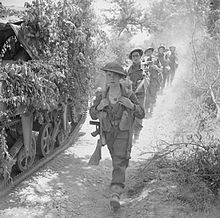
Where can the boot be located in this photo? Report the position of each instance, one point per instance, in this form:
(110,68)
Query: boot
(115,201)
(115,198)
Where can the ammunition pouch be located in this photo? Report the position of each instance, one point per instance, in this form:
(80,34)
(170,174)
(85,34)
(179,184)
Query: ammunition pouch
(125,122)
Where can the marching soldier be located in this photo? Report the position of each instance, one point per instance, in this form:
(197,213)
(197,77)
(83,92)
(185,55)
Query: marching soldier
(139,83)
(172,63)
(154,70)
(119,107)
(147,91)
(164,64)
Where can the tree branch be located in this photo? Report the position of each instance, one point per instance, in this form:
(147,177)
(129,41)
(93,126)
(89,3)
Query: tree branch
(215,101)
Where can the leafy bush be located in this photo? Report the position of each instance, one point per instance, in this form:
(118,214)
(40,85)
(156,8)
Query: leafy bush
(60,36)
(198,158)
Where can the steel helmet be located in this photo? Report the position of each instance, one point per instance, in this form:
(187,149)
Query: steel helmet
(161,46)
(172,46)
(149,49)
(139,50)
(115,68)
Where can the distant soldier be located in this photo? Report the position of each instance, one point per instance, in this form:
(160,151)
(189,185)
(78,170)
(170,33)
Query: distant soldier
(173,63)
(145,67)
(138,78)
(154,70)
(164,64)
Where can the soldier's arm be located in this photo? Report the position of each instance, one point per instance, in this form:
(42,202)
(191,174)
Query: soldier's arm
(157,66)
(138,110)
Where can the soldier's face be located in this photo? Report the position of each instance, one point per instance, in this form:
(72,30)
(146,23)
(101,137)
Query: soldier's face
(149,53)
(161,51)
(136,58)
(112,78)
(172,49)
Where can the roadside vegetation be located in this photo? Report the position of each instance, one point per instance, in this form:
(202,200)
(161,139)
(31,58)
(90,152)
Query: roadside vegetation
(191,162)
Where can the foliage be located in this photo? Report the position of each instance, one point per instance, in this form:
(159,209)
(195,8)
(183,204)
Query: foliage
(160,16)
(64,46)
(7,12)
(213,17)
(60,37)
(162,19)
(64,41)
(126,16)
(195,159)
(164,13)
(6,162)
(34,88)
(113,50)
(198,156)
(119,49)
(203,159)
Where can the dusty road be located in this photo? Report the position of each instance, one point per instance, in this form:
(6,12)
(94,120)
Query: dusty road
(68,187)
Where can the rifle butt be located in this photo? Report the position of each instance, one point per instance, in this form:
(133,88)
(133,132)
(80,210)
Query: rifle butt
(96,156)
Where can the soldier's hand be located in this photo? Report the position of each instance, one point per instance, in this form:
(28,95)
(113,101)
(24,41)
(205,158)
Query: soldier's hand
(126,102)
(104,102)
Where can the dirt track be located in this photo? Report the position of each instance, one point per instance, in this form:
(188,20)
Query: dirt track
(68,187)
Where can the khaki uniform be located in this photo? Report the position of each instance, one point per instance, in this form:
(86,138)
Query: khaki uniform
(135,74)
(173,66)
(154,85)
(117,129)
(164,63)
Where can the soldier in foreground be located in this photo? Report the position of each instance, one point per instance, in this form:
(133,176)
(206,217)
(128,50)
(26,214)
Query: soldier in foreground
(118,107)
